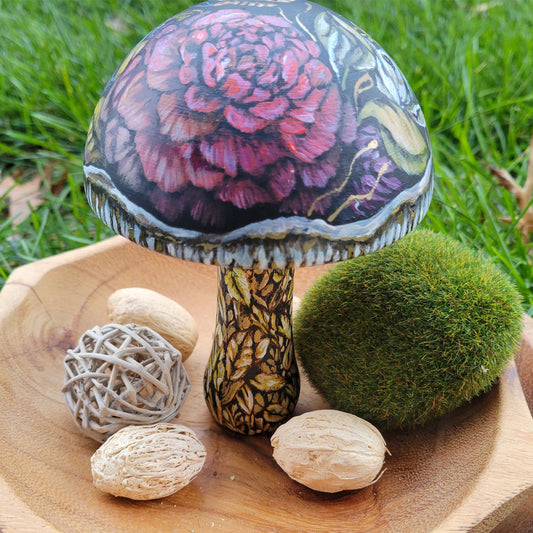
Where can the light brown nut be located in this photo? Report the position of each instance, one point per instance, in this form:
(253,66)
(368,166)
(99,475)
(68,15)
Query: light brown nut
(151,309)
(148,462)
(329,450)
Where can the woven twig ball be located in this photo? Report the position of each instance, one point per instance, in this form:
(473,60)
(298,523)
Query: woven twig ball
(122,375)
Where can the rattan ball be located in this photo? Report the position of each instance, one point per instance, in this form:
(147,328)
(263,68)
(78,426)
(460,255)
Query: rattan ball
(122,375)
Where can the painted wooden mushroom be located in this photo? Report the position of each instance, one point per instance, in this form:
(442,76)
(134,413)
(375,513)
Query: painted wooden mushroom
(258,136)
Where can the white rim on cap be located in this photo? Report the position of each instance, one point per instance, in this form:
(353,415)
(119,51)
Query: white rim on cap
(274,243)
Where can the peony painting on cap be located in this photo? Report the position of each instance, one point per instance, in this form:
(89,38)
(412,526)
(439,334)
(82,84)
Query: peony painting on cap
(258,136)
(225,110)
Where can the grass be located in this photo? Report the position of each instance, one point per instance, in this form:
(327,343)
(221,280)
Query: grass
(466,61)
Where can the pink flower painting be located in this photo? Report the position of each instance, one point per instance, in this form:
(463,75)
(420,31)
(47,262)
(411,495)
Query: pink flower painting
(226,115)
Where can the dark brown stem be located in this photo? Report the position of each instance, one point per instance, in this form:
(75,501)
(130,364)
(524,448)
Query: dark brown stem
(251,382)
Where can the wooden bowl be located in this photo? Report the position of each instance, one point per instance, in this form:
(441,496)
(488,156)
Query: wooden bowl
(465,471)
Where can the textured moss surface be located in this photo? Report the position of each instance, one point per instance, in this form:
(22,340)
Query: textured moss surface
(408,333)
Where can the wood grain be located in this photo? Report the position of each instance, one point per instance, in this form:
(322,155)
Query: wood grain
(466,471)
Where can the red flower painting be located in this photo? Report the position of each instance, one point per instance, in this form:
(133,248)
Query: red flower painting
(229,113)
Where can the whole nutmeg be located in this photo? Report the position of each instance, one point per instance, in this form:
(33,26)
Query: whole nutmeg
(162,314)
(148,462)
(329,451)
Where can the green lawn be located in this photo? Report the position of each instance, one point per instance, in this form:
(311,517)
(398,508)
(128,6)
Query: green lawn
(469,62)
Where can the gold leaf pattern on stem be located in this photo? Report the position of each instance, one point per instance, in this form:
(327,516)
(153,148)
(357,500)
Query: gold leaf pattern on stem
(237,285)
(262,348)
(251,382)
(268,382)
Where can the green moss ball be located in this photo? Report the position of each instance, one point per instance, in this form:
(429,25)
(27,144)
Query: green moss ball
(410,332)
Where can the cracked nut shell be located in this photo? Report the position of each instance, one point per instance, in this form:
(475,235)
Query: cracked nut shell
(329,450)
(148,462)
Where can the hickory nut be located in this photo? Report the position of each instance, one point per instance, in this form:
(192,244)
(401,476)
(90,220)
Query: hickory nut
(148,462)
(151,309)
(329,450)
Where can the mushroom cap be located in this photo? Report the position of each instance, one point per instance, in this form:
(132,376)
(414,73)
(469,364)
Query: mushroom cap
(259,134)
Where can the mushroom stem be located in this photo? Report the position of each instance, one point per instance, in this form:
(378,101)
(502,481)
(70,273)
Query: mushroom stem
(251,382)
